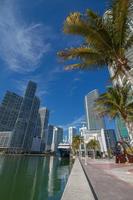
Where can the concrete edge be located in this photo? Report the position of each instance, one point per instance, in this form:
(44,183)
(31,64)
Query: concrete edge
(89,182)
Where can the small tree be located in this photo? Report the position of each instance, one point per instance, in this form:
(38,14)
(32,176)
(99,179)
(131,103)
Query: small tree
(93,145)
(76,143)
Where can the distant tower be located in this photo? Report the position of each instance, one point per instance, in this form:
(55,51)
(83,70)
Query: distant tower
(57,138)
(50,138)
(30,132)
(23,132)
(44,118)
(72,131)
(9,110)
(93,120)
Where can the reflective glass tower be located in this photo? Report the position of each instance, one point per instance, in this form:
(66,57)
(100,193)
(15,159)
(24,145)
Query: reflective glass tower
(44,118)
(23,132)
(93,120)
(9,110)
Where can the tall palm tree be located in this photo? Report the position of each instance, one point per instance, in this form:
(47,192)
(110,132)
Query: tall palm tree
(115,102)
(106,39)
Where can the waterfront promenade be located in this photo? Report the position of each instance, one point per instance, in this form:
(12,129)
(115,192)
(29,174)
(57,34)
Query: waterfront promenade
(110,181)
(77,187)
(99,180)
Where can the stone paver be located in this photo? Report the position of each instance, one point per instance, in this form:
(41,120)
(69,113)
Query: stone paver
(110,181)
(77,187)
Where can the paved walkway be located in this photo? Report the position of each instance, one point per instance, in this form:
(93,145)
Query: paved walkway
(110,181)
(77,187)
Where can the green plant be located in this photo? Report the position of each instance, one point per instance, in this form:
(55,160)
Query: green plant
(106,39)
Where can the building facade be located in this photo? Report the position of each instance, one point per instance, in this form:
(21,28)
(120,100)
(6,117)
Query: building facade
(57,138)
(44,118)
(50,137)
(30,131)
(111,139)
(94,122)
(5,139)
(22,131)
(9,110)
(72,131)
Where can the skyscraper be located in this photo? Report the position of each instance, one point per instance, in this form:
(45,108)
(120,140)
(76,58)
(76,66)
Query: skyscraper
(93,120)
(44,117)
(9,110)
(71,133)
(30,131)
(23,122)
(57,138)
(121,129)
(50,137)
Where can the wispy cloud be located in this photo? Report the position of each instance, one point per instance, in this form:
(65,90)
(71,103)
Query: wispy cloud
(44,82)
(22,45)
(76,123)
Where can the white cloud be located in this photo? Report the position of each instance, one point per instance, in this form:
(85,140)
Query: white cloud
(21,45)
(76,123)
(43,80)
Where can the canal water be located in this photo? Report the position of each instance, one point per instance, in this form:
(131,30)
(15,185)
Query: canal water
(33,178)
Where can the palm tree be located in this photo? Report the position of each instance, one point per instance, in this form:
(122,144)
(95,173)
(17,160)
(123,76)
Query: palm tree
(106,39)
(94,145)
(115,103)
(76,143)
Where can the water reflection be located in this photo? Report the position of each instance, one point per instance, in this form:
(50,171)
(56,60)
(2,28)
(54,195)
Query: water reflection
(32,178)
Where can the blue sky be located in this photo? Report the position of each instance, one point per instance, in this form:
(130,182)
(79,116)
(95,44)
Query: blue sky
(30,36)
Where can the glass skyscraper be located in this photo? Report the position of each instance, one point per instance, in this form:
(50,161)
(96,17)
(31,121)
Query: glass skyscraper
(44,118)
(94,122)
(50,137)
(9,110)
(21,120)
(23,131)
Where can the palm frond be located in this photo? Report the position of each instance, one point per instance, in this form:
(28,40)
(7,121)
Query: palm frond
(92,30)
(88,57)
(115,102)
(120,11)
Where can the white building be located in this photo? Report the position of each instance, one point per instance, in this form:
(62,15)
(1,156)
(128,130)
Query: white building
(57,138)
(82,130)
(106,138)
(71,133)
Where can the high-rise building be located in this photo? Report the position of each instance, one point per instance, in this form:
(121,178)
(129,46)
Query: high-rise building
(110,138)
(9,110)
(30,131)
(44,117)
(50,137)
(22,128)
(72,131)
(121,129)
(94,122)
(57,138)
(21,121)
